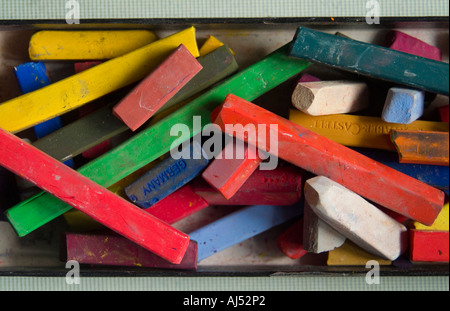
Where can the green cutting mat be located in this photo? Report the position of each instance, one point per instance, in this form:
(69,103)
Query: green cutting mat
(125,9)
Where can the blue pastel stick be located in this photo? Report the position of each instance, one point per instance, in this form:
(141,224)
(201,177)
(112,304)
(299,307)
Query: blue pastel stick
(168,176)
(434,175)
(403,105)
(240,226)
(31,77)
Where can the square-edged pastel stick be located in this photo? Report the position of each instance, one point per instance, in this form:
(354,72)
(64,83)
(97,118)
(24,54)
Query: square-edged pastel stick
(168,176)
(403,42)
(240,226)
(290,241)
(232,167)
(371,60)
(82,193)
(403,105)
(110,249)
(320,156)
(157,88)
(429,246)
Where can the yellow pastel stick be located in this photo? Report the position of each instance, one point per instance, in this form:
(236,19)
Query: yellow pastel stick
(210,45)
(86,44)
(349,254)
(440,224)
(360,131)
(63,96)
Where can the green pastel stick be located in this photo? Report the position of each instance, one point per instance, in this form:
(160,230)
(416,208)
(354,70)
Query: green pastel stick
(94,128)
(371,60)
(130,156)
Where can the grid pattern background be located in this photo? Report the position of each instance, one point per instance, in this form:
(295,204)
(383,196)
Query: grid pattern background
(133,9)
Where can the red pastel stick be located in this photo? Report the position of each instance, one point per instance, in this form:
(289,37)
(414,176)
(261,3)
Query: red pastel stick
(87,196)
(157,88)
(178,205)
(227,173)
(321,156)
(429,246)
(290,242)
(115,250)
(281,186)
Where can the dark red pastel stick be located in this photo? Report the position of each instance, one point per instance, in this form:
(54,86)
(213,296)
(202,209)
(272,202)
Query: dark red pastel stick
(115,250)
(157,88)
(321,156)
(87,196)
(290,242)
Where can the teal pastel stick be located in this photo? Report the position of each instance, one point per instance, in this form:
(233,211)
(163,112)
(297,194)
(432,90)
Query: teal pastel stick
(371,60)
(240,226)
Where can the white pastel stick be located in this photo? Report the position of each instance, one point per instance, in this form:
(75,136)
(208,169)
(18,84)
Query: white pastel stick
(318,236)
(355,218)
(320,98)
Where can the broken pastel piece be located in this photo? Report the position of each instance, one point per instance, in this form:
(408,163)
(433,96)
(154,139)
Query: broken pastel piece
(290,241)
(318,236)
(356,218)
(330,97)
(403,42)
(429,246)
(168,176)
(422,147)
(157,88)
(403,105)
(232,167)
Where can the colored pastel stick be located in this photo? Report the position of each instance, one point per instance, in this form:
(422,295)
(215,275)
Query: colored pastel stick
(403,42)
(371,60)
(94,200)
(403,106)
(355,218)
(290,241)
(32,77)
(167,177)
(330,97)
(87,45)
(110,249)
(120,162)
(104,146)
(440,224)
(210,45)
(178,205)
(429,246)
(350,254)
(157,88)
(82,134)
(281,186)
(360,131)
(306,77)
(101,125)
(422,147)
(65,95)
(434,175)
(444,113)
(318,236)
(232,167)
(240,226)
(322,156)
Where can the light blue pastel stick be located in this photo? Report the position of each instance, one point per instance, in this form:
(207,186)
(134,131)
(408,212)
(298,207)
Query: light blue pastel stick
(31,77)
(403,105)
(240,226)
